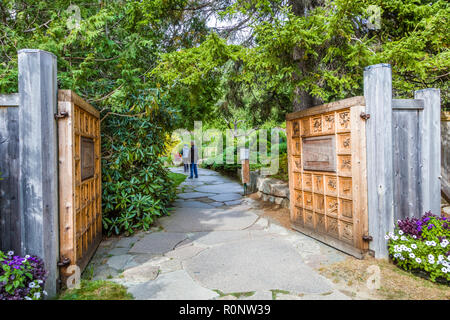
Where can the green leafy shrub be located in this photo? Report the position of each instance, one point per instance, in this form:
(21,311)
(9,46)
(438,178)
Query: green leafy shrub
(422,244)
(136,186)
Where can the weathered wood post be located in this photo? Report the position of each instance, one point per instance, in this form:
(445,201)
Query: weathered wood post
(38,159)
(431,150)
(378,96)
(10,224)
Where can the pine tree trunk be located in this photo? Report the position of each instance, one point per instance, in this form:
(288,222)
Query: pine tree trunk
(302,98)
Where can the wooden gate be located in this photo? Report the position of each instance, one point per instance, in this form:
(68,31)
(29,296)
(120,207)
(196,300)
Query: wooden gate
(327,174)
(79,180)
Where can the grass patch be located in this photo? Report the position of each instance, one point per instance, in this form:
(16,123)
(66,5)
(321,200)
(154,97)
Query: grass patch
(395,283)
(234,294)
(177,178)
(277,291)
(97,290)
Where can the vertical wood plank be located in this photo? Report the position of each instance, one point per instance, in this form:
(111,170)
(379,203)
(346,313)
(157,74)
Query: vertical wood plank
(38,183)
(359,174)
(290,169)
(378,97)
(407,154)
(66,186)
(445,154)
(431,149)
(10,219)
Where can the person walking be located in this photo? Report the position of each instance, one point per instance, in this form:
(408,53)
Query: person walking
(193,157)
(185,157)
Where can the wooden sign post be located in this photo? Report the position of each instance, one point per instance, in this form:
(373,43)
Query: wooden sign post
(244,155)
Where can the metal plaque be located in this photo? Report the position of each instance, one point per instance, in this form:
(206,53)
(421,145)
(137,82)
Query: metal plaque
(87,158)
(319,153)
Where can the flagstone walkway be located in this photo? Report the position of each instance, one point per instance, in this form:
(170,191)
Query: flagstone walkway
(215,245)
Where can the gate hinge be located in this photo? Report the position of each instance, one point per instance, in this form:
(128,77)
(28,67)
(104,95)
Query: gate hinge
(364,115)
(64,262)
(61,115)
(367,238)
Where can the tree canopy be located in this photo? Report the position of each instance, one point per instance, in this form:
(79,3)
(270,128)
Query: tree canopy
(151,66)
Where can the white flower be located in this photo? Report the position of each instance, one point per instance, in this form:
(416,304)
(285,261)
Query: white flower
(28,298)
(44,292)
(391,234)
(400,232)
(444,243)
(37,295)
(401,258)
(414,246)
(40,281)
(403,238)
(395,237)
(430,257)
(419,260)
(412,255)
(27,256)
(433,243)
(408,249)
(386,237)
(414,236)
(444,270)
(32,285)
(10,253)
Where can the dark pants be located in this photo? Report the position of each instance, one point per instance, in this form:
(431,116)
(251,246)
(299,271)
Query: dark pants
(193,167)
(186,167)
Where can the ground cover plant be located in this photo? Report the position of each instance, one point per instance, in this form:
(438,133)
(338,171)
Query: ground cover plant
(21,278)
(422,244)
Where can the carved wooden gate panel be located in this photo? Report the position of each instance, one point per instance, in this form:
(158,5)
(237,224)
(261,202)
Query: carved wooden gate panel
(79,180)
(327,174)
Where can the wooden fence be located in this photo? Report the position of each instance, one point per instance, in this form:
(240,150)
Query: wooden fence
(80,210)
(350,184)
(28,162)
(33,219)
(445,154)
(327,174)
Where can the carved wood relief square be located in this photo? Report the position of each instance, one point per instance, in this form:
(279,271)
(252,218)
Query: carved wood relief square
(317,125)
(345,187)
(332,227)
(320,222)
(319,203)
(345,165)
(344,143)
(309,218)
(347,232)
(307,200)
(331,185)
(346,208)
(343,121)
(318,183)
(307,182)
(328,123)
(331,206)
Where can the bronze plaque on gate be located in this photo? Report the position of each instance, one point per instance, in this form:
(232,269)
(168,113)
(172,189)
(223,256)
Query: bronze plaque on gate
(319,153)
(87,158)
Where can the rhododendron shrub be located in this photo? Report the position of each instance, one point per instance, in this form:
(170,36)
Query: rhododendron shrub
(422,244)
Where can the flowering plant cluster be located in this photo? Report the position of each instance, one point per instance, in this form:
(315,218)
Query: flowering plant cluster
(422,244)
(21,278)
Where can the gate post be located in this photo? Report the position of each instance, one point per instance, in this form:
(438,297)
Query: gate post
(380,168)
(430,157)
(38,159)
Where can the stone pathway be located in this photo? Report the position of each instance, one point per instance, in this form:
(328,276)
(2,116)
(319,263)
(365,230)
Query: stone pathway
(216,246)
